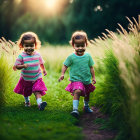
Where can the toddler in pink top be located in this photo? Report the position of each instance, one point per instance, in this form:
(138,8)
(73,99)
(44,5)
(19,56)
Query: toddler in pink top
(30,62)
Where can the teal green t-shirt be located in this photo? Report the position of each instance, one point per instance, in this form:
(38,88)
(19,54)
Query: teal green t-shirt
(80,67)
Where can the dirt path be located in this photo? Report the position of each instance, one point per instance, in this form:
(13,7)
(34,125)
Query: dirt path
(91,130)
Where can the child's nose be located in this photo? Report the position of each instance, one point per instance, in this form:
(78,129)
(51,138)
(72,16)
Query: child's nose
(29,47)
(80,47)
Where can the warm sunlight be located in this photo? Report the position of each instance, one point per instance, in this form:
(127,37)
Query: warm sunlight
(46,7)
(51,4)
(18,1)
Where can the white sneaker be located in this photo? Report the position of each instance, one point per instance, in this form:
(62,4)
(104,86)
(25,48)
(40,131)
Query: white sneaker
(87,109)
(75,113)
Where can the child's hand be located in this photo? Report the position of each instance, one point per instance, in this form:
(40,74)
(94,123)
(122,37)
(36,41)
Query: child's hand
(25,65)
(94,81)
(61,78)
(44,72)
(14,68)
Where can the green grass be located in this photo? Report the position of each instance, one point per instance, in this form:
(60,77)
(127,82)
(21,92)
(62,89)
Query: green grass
(5,79)
(55,122)
(117,69)
(118,87)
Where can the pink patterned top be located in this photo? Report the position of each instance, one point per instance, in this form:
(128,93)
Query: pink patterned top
(33,71)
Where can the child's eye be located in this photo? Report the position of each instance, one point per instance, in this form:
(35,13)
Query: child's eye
(26,45)
(32,45)
(80,46)
(29,45)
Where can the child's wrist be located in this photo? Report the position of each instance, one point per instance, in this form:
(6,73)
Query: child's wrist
(93,79)
(24,66)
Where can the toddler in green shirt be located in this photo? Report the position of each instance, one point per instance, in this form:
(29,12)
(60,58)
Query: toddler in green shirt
(81,72)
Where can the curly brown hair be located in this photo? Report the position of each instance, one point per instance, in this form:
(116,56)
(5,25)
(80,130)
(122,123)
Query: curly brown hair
(28,36)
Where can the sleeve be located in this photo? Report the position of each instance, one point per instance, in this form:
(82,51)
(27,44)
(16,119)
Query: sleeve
(41,60)
(19,60)
(91,62)
(68,61)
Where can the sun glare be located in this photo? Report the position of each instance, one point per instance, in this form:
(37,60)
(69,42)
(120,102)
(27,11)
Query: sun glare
(51,4)
(18,1)
(46,7)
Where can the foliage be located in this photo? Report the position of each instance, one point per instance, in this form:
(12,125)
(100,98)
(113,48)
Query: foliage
(118,92)
(117,71)
(4,76)
(92,16)
(55,122)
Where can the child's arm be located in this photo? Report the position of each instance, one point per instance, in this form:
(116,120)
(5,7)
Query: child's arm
(64,68)
(19,67)
(43,69)
(19,64)
(93,75)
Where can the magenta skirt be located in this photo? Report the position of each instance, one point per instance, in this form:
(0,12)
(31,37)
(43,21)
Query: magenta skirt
(26,88)
(86,89)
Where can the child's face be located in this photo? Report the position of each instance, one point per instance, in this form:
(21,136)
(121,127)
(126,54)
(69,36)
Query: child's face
(29,46)
(80,48)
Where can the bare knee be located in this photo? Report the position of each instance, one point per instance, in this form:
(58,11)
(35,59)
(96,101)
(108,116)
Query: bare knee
(77,92)
(37,95)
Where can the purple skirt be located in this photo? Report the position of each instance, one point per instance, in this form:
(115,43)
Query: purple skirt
(26,88)
(86,89)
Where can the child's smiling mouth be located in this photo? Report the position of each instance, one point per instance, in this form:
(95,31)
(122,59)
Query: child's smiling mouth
(29,50)
(80,50)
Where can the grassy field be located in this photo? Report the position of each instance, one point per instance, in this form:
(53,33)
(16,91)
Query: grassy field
(117,69)
(53,123)
(30,123)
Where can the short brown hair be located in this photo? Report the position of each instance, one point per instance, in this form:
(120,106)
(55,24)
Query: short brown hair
(79,37)
(28,36)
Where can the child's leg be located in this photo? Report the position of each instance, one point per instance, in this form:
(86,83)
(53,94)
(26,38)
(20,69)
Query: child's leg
(86,100)
(27,101)
(86,104)
(41,104)
(38,98)
(76,97)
